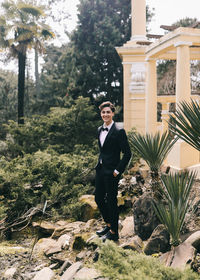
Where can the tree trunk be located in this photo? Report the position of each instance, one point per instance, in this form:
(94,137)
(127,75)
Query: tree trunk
(21,84)
(37,81)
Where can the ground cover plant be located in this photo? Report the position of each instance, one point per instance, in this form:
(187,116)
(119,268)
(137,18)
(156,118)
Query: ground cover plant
(117,263)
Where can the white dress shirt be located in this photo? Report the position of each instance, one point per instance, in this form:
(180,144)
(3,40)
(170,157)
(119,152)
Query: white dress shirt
(104,133)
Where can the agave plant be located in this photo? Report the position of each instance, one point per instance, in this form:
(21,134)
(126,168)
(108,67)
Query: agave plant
(153,149)
(185,123)
(175,204)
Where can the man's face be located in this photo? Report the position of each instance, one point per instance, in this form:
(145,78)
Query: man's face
(107,115)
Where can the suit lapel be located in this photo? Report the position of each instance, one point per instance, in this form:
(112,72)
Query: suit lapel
(109,134)
(99,131)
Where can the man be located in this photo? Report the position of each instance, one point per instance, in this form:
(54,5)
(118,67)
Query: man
(112,141)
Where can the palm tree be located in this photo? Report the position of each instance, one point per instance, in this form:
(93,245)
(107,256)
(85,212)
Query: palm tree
(19,30)
(153,149)
(185,123)
(175,204)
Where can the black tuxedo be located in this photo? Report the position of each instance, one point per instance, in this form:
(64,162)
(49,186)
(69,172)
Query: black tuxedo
(109,160)
(115,143)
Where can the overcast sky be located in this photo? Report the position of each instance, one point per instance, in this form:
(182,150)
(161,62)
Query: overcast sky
(166,12)
(169,11)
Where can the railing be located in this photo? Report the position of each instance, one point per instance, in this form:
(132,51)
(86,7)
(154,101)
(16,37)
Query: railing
(168,105)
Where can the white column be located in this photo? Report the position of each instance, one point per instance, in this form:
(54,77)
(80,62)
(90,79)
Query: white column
(183,86)
(138,10)
(151,98)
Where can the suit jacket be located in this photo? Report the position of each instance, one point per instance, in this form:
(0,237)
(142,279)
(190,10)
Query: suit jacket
(116,142)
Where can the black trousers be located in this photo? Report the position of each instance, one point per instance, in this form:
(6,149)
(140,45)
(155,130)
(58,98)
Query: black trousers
(106,197)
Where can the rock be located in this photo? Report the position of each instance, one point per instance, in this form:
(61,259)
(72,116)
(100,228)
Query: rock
(196,263)
(52,250)
(158,241)
(87,274)
(58,258)
(120,200)
(89,208)
(65,265)
(127,227)
(130,185)
(145,219)
(128,202)
(194,240)
(10,273)
(71,271)
(54,265)
(144,172)
(179,256)
(64,241)
(46,273)
(62,223)
(39,267)
(45,228)
(90,225)
(74,227)
(80,256)
(135,244)
(44,244)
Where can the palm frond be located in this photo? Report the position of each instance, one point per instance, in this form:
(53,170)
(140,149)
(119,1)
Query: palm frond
(29,9)
(178,186)
(172,211)
(47,33)
(153,148)
(185,123)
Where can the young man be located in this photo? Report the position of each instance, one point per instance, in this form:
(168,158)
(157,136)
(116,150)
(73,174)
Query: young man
(112,141)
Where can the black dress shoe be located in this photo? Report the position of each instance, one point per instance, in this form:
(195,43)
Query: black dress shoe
(103,231)
(110,236)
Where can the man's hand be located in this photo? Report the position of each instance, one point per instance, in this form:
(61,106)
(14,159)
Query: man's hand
(115,173)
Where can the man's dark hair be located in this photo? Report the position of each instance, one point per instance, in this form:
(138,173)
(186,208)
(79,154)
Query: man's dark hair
(107,104)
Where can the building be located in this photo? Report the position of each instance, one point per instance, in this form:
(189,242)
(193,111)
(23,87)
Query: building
(139,57)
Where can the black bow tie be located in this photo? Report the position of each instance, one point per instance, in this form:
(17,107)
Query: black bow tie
(104,128)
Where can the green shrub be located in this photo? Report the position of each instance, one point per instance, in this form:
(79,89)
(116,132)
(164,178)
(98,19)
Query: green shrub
(172,210)
(119,264)
(27,181)
(61,130)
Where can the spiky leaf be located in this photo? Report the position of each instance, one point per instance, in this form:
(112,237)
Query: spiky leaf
(186,123)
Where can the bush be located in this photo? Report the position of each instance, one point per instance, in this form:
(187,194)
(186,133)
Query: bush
(44,175)
(61,129)
(117,263)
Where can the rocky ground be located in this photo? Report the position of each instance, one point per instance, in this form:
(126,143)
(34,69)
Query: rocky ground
(67,244)
(67,250)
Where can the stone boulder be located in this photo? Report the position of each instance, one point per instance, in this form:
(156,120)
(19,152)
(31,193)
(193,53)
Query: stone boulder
(127,227)
(87,273)
(158,241)
(71,271)
(194,240)
(44,244)
(68,227)
(10,273)
(179,256)
(46,273)
(64,241)
(45,228)
(135,243)
(89,208)
(145,219)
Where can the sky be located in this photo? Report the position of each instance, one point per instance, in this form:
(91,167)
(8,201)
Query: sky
(166,12)
(169,11)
